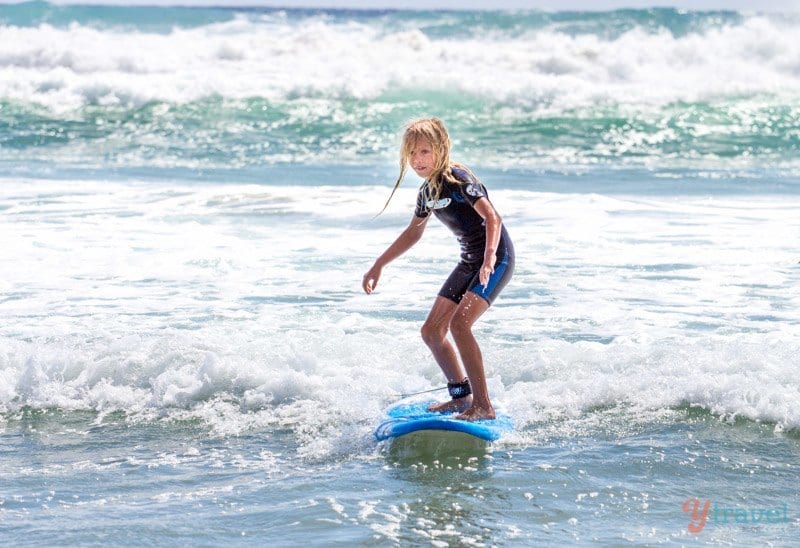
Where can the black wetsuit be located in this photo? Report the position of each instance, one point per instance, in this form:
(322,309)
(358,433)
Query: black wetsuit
(455,208)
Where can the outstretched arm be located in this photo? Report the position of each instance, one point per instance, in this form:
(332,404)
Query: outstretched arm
(493,225)
(404,242)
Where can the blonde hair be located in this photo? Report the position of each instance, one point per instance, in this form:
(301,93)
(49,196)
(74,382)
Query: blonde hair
(434,132)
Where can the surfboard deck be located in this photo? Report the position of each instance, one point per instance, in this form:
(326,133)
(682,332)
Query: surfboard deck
(406,418)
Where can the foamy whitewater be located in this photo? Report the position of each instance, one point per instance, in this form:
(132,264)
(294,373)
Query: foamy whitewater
(187,206)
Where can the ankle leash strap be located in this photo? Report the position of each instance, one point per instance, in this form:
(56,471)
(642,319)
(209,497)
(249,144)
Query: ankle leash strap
(459,390)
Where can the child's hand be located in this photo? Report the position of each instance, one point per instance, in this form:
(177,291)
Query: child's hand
(486,271)
(370,280)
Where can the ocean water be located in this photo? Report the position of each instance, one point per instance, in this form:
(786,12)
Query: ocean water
(188,201)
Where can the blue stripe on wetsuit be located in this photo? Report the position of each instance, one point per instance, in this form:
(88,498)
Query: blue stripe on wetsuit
(494,279)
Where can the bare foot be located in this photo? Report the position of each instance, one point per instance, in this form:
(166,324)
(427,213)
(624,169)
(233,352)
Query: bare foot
(476,413)
(451,406)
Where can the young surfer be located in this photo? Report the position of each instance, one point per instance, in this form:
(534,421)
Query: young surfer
(457,198)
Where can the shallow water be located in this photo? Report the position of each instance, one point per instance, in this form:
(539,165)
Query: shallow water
(608,479)
(203,351)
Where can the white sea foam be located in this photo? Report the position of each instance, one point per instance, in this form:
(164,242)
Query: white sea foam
(240,306)
(545,70)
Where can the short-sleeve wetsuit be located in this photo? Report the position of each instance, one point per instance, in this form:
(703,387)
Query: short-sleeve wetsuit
(455,208)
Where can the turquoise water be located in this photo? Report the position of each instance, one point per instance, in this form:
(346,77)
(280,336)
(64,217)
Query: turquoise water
(134,87)
(187,206)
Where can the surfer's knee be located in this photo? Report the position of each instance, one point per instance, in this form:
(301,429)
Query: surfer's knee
(432,334)
(460,326)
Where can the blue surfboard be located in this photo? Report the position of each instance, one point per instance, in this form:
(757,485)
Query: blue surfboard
(405,418)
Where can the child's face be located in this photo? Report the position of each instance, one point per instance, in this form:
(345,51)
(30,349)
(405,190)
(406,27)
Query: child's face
(421,158)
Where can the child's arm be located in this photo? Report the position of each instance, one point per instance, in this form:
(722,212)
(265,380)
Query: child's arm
(404,242)
(493,225)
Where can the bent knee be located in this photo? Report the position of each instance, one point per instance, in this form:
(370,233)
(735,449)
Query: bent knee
(433,335)
(460,326)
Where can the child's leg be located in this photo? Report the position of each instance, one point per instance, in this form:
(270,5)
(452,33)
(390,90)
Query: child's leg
(434,333)
(468,311)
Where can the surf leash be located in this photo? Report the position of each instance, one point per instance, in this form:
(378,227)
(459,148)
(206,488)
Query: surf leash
(420,392)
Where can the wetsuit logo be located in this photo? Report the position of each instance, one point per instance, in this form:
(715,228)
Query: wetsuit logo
(473,190)
(438,204)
